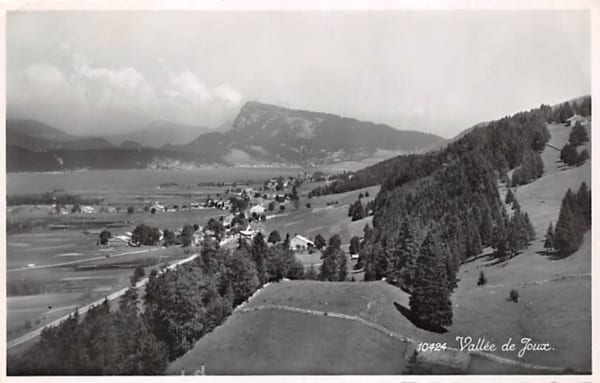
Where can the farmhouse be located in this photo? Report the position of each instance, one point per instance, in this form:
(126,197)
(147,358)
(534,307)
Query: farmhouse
(158,206)
(575,119)
(300,243)
(258,209)
(228,220)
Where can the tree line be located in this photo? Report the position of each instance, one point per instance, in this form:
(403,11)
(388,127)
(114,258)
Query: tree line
(569,154)
(574,220)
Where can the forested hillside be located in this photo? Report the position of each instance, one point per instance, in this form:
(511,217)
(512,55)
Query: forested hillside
(452,197)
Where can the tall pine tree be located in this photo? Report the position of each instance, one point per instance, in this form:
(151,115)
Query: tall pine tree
(549,242)
(430,298)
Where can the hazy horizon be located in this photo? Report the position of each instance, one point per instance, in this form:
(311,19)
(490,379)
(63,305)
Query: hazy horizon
(433,71)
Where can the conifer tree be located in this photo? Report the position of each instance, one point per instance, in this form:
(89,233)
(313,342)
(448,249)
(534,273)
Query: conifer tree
(569,155)
(549,242)
(578,135)
(529,226)
(354,245)
(516,205)
(582,157)
(566,237)
(404,255)
(259,253)
(500,241)
(584,202)
(334,266)
(430,298)
(343,266)
(510,197)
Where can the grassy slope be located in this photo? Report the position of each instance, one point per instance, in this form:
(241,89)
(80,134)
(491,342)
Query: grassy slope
(275,342)
(291,343)
(564,320)
(320,218)
(374,301)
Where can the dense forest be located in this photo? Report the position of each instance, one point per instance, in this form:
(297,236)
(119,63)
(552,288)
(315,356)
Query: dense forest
(455,210)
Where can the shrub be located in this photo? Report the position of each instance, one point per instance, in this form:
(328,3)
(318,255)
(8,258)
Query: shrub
(105,235)
(482,279)
(130,210)
(514,296)
(138,274)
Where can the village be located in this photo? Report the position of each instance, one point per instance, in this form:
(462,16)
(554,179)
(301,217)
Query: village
(245,209)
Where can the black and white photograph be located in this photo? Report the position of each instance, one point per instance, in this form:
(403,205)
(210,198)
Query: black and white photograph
(356,191)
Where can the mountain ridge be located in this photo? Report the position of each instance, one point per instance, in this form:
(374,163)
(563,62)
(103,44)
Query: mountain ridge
(260,134)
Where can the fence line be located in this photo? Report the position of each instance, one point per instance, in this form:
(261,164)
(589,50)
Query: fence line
(393,334)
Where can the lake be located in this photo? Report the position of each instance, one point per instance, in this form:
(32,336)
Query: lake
(134,180)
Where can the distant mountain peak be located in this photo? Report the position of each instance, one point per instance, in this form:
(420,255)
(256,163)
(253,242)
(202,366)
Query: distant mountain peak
(302,136)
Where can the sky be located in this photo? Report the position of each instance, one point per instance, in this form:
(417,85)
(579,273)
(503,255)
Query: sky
(94,73)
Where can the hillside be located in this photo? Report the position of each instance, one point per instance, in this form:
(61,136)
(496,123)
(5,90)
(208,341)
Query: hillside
(37,129)
(284,330)
(437,155)
(34,146)
(298,135)
(159,133)
(277,330)
(36,136)
(22,160)
(261,134)
(264,133)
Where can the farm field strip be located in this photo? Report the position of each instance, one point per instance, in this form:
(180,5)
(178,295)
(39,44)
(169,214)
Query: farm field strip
(83,309)
(68,263)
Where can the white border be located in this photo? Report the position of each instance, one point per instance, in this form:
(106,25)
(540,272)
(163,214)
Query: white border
(324,5)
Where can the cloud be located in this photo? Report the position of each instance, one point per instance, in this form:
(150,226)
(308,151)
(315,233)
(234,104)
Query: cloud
(226,93)
(111,87)
(44,74)
(102,92)
(186,87)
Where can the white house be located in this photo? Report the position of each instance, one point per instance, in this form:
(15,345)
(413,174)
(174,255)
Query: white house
(300,243)
(158,207)
(258,209)
(574,119)
(249,234)
(227,220)
(88,210)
